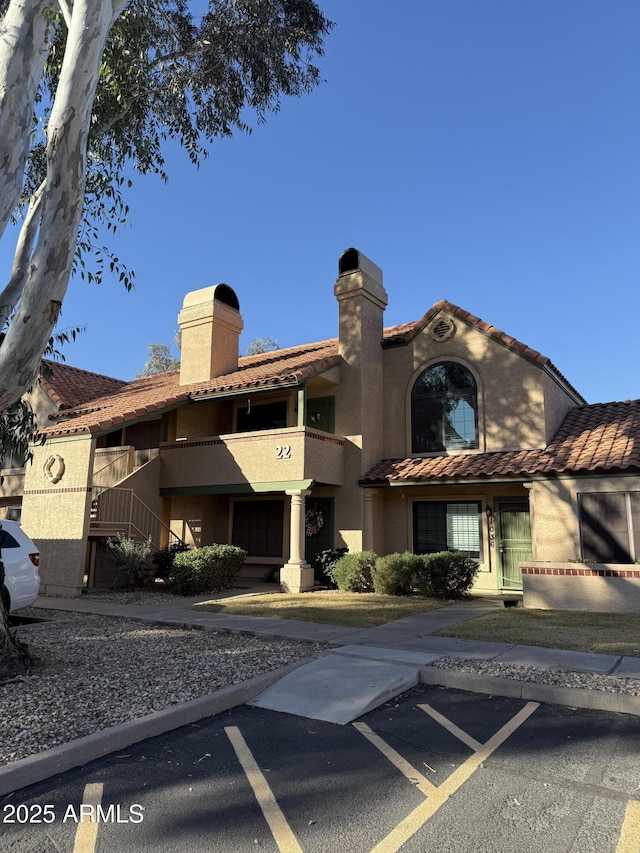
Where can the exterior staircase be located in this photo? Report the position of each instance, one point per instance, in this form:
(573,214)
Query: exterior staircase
(119,511)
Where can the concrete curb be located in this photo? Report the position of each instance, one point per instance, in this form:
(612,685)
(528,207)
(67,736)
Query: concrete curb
(44,765)
(618,703)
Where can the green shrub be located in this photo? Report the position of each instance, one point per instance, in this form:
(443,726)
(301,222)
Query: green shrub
(164,558)
(445,574)
(353,572)
(207,569)
(326,561)
(128,556)
(393,573)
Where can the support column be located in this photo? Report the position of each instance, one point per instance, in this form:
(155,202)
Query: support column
(367,520)
(296,575)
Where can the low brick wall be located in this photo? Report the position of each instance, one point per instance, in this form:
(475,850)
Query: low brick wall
(597,587)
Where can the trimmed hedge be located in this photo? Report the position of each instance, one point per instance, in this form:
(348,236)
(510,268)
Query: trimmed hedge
(327,560)
(445,574)
(208,569)
(393,574)
(354,572)
(164,558)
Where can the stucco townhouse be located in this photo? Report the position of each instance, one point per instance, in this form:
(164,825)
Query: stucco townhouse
(440,434)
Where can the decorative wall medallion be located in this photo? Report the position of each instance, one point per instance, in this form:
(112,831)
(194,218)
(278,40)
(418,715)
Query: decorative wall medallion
(442,329)
(53,468)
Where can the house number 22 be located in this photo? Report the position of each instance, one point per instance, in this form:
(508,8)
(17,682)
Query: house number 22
(283,451)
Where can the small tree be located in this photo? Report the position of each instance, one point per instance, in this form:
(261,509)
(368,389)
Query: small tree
(159,360)
(260,345)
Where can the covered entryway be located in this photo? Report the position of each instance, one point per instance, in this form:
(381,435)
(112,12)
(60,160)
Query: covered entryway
(514,541)
(318,532)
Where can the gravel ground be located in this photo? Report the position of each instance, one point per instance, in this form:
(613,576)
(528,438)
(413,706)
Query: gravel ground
(543,675)
(98,671)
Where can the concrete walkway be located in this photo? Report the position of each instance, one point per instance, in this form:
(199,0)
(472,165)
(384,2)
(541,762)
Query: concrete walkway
(368,666)
(365,669)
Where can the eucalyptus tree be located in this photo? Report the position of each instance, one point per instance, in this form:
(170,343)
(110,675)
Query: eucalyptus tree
(90,92)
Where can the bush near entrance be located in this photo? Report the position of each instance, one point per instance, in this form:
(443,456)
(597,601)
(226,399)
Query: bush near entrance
(442,575)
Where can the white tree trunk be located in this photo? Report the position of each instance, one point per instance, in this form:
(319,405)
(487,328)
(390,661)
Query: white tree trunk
(22,56)
(62,200)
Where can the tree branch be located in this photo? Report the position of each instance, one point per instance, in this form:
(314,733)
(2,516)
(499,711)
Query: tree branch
(22,55)
(13,291)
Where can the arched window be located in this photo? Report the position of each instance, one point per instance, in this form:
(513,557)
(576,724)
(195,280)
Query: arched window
(444,409)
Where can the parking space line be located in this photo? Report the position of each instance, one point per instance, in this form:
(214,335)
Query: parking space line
(407,769)
(420,815)
(629,841)
(87,831)
(280,829)
(451,727)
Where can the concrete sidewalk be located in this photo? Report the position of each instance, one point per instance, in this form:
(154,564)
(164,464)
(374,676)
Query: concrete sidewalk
(366,668)
(363,670)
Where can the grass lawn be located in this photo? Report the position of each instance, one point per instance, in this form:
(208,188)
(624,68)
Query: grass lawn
(613,634)
(357,610)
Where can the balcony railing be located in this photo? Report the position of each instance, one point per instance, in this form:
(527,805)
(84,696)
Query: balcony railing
(121,511)
(269,456)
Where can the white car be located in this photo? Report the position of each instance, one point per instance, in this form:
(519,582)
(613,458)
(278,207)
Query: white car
(21,559)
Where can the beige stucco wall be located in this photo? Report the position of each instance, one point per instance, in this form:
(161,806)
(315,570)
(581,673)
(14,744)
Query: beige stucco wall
(56,515)
(584,588)
(554,507)
(394,514)
(270,456)
(145,482)
(519,404)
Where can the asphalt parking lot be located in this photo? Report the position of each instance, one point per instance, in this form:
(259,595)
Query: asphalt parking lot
(433,769)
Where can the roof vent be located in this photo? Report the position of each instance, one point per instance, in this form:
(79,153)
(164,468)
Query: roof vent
(442,329)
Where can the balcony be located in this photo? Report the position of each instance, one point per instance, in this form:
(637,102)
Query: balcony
(250,459)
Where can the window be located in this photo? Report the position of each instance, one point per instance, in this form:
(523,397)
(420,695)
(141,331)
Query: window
(444,409)
(262,416)
(610,526)
(258,527)
(444,526)
(321,413)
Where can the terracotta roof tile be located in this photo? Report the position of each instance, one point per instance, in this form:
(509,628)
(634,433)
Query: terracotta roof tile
(600,438)
(69,386)
(400,335)
(155,393)
(90,401)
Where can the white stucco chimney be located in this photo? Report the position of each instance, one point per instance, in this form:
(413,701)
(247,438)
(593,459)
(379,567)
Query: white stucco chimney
(210,326)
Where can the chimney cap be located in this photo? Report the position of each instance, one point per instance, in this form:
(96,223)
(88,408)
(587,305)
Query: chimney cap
(216,293)
(352,260)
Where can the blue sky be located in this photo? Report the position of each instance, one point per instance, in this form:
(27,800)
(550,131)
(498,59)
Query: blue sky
(481,152)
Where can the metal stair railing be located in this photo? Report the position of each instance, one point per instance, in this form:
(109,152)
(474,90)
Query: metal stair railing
(122,510)
(115,470)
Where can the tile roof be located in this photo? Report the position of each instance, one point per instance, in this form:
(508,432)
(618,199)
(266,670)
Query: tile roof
(119,402)
(599,438)
(69,386)
(154,393)
(401,335)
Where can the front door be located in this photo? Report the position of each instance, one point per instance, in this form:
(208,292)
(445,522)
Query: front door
(514,541)
(318,531)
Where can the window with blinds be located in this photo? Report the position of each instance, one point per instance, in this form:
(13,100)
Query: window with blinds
(444,409)
(446,526)
(610,526)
